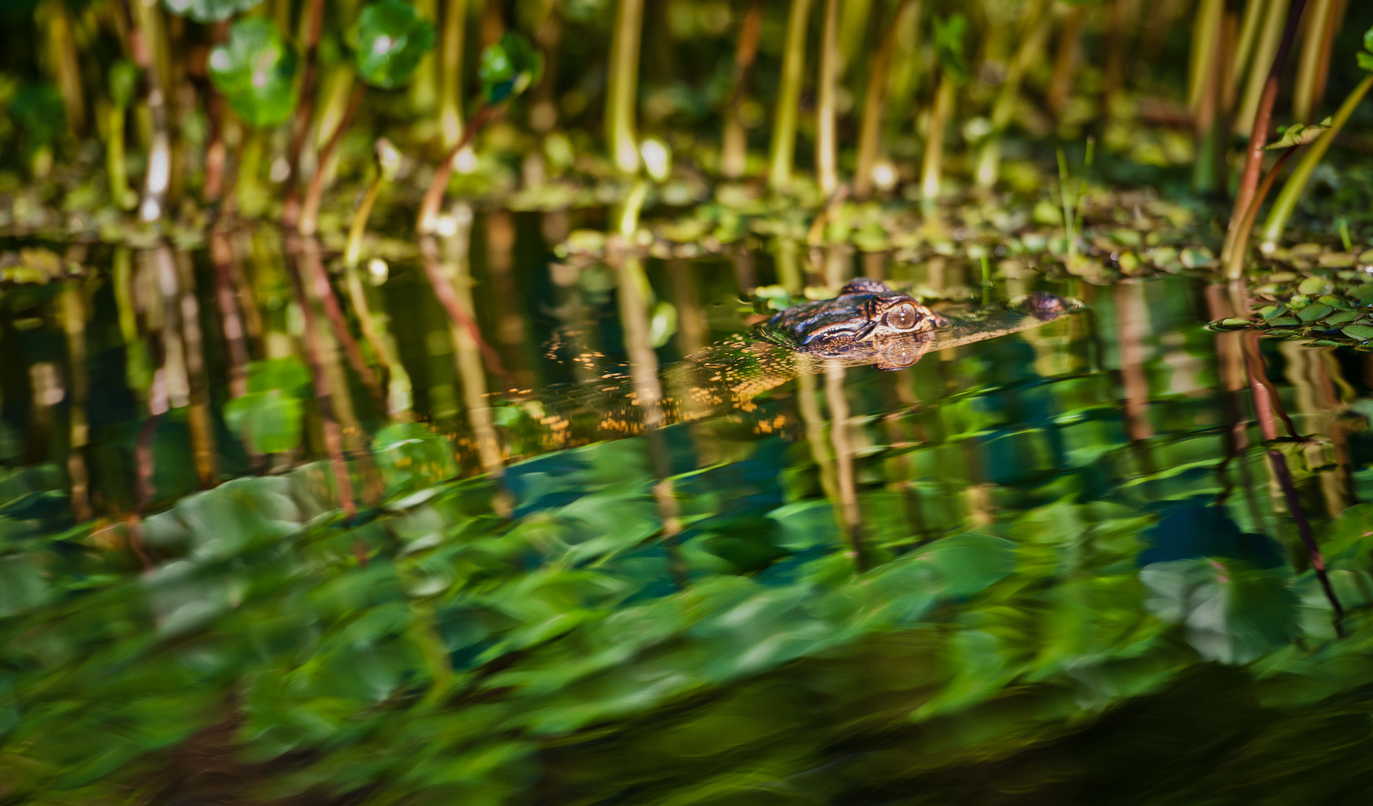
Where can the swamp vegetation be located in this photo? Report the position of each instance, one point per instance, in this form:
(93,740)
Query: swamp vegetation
(385,418)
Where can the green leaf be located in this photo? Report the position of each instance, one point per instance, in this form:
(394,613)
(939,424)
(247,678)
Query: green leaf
(971,563)
(255,69)
(1232,613)
(390,40)
(948,45)
(509,67)
(288,374)
(269,422)
(1365,60)
(1358,332)
(208,10)
(1342,317)
(1313,312)
(1299,135)
(1312,285)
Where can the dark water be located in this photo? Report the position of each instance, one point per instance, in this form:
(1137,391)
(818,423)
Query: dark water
(1065,565)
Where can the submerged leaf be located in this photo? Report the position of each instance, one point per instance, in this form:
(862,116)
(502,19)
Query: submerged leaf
(509,67)
(255,69)
(390,40)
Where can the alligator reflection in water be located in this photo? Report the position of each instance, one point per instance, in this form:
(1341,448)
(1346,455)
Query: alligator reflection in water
(867,324)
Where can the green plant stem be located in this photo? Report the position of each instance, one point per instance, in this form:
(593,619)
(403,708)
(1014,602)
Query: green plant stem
(1035,32)
(248,188)
(734,148)
(120,192)
(1315,46)
(450,92)
(57,22)
(425,86)
(623,86)
(1274,24)
(826,145)
(428,217)
(789,97)
(1250,25)
(309,212)
(1296,183)
(874,99)
(358,228)
(1069,214)
(1234,264)
(932,166)
(1258,137)
(1205,41)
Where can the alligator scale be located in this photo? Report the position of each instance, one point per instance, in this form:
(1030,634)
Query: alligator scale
(867,324)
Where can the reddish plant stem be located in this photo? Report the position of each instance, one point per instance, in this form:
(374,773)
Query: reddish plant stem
(300,127)
(443,289)
(1258,137)
(309,213)
(1251,215)
(333,437)
(1289,492)
(433,197)
(329,301)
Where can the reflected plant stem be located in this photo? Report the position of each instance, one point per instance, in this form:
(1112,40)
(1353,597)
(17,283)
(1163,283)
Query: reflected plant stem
(1132,328)
(1234,382)
(393,377)
(323,290)
(354,436)
(221,254)
(157,178)
(510,330)
(851,518)
(1306,371)
(456,283)
(634,299)
(197,383)
(461,319)
(333,441)
(252,317)
(300,125)
(1266,405)
(1289,491)
(74,321)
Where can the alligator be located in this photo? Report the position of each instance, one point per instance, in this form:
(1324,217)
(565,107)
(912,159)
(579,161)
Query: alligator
(867,324)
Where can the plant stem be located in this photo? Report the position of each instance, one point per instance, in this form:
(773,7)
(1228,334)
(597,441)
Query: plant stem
(1069,216)
(248,186)
(120,192)
(734,149)
(300,125)
(1258,137)
(623,86)
(358,228)
(1065,61)
(931,170)
(1205,41)
(433,197)
(450,92)
(1296,183)
(1250,25)
(1274,24)
(1034,32)
(1315,48)
(826,147)
(874,98)
(1234,265)
(789,97)
(309,213)
(158,176)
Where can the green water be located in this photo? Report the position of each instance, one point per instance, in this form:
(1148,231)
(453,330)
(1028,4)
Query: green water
(1053,567)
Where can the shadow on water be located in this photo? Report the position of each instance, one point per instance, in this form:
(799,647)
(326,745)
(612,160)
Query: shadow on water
(480,525)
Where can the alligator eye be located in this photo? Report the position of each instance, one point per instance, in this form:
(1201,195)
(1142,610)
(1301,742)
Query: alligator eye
(902,317)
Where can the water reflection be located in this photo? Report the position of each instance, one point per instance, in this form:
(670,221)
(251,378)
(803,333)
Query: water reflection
(554,515)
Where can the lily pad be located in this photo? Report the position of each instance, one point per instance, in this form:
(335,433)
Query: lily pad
(509,67)
(1313,285)
(1342,317)
(208,10)
(1313,312)
(1358,332)
(390,40)
(1284,321)
(255,69)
